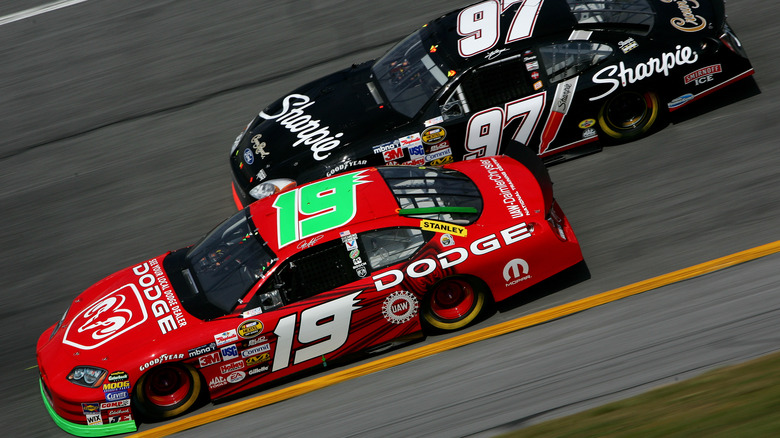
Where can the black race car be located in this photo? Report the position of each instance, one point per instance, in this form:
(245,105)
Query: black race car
(555,75)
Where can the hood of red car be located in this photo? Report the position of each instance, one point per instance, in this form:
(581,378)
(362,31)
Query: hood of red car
(135,305)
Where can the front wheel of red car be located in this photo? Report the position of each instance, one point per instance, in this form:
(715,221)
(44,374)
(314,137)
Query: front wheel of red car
(453,303)
(167,391)
(629,114)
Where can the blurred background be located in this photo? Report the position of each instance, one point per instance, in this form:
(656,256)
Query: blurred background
(117,119)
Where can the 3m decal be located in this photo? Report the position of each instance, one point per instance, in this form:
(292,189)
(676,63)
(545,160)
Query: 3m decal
(309,132)
(318,207)
(323,329)
(442,227)
(209,359)
(480,25)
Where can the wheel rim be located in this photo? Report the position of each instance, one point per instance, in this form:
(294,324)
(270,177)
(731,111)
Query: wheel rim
(167,386)
(452,300)
(627,111)
(629,114)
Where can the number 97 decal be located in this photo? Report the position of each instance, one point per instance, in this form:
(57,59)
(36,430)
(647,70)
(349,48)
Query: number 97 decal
(480,24)
(485,128)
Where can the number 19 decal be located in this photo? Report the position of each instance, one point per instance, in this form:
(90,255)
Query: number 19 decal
(327,323)
(485,128)
(317,207)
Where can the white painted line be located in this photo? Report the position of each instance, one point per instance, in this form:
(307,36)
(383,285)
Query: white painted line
(38,10)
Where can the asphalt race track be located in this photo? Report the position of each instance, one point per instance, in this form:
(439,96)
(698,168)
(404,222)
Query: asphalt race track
(117,118)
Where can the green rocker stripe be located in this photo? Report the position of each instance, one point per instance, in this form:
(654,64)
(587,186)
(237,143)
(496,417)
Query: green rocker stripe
(432,210)
(83,429)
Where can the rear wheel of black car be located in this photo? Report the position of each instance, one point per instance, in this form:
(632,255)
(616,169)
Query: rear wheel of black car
(629,114)
(167,391)
(453,303)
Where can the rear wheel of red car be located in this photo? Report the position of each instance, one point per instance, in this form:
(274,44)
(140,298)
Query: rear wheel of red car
(453,303)
(167,390)
(629,114)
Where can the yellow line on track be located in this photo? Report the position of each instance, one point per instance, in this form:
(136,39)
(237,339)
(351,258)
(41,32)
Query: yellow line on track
(461,340)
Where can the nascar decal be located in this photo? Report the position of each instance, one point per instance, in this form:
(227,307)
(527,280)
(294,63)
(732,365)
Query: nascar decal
(452,257)
(317,207)
(309,132)
(250,329)
(689,22)
(513,202)
(442,227)
(480,24)
(662,64)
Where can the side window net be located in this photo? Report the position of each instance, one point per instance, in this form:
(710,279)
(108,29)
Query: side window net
(626,15)
(391,245)
(571,58)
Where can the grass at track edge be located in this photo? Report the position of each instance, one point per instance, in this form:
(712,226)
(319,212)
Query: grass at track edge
(736,401)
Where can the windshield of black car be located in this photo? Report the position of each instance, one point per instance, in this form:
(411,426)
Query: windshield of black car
(228,262)
(408,75)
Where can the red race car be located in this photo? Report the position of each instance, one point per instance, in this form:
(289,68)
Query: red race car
(352,263)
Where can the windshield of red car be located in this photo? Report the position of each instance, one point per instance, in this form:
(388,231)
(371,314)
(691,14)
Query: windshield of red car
(409,75)
(228,262)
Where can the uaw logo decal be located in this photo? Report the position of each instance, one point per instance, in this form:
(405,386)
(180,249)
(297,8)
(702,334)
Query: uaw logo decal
(399,307)
(109,317)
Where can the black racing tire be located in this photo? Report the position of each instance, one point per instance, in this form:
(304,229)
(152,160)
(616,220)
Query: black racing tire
(453,303)
(629,114)
(167,390)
